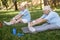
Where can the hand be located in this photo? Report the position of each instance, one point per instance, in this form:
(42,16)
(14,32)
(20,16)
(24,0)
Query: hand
(31,29)
(30,24)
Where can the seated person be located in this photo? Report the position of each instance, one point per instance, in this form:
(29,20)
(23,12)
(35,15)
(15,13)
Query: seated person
(23,16)
(51,18)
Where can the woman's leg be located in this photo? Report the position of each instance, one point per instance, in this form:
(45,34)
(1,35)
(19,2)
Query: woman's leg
(19,20)
(14,21)
(16,18)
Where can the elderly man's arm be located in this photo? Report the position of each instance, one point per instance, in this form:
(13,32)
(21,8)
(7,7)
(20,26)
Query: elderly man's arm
(37,21)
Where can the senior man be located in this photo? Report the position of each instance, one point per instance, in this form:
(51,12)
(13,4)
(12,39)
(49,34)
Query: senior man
(51,18)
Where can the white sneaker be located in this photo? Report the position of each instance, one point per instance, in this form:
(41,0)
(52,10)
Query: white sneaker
(7,23)
(31,29)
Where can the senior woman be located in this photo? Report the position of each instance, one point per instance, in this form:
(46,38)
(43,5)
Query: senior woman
(51,18)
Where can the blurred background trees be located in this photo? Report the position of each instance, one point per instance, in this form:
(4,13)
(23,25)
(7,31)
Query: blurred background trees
(14,4)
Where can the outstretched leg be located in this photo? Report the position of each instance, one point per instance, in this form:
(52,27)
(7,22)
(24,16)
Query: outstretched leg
(14,20)
(45,27)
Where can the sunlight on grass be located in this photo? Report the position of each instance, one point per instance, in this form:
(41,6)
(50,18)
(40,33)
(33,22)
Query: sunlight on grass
(11,13)
(8,12)
(38,7)
(57,9)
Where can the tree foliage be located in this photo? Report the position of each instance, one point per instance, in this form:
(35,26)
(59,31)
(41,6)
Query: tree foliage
(53,3)
(4,3)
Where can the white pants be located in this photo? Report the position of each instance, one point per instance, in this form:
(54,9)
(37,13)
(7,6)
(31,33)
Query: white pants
(24,20)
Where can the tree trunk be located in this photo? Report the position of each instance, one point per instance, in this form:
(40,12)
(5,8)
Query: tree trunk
(54,2)
(15,4)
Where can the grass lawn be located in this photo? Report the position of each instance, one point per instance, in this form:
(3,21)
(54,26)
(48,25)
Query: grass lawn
(6,31)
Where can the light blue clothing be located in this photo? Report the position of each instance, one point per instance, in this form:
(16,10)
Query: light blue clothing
(26,15)
(52,18)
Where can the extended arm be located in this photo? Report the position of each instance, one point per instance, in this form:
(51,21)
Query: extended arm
(37,21)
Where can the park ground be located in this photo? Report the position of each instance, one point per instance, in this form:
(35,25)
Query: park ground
(6,31)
